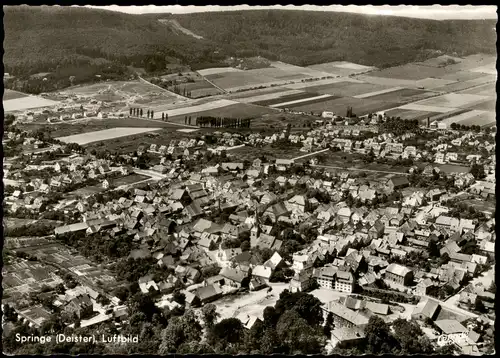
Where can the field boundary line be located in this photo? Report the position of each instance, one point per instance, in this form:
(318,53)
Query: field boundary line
(311,154)
(213,84)
(360,170)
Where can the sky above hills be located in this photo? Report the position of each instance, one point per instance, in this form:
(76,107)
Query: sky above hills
(435,12)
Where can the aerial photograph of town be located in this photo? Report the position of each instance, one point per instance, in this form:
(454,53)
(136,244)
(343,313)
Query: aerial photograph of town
(249,180)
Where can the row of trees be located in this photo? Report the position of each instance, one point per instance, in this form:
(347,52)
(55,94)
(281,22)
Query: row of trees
(138,112)
(218,122)
(463,127)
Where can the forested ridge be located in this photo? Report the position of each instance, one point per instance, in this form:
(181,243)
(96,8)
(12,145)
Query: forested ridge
(49,39)
(309,37)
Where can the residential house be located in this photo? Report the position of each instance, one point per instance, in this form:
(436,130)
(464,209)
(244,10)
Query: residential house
(399,274)
(233,277)
(451,331)
(81,306)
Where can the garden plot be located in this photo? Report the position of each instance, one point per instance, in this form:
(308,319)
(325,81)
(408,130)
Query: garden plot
(453,100)
(268,96)
(105,134)
(22,103)
(219,70)
(431,83)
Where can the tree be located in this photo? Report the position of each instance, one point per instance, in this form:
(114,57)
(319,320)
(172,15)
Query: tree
(179,297)
(295,333)
(328,324)
(210,314)
(180,330)
(411,337)
(378,337)
(227,331)
(141,112)
(477,171)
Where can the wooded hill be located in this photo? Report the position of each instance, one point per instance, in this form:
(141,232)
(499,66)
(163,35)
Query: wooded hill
(44,39)
(309,37)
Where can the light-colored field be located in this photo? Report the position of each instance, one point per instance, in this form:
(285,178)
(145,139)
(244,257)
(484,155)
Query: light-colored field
(304,100)
(105,134)
(278,74)
(297,69)
(360,106)
(197,108)
(233,81)
(483,119)
(430,83)
(453,100)
(426,108)
(462,117)
(374,93)
(268,96)
(489,69)
(321,82)
(489,105)
(387,81)
(411,71)
(20,104)
(215,71)
(488,89)
(341,68)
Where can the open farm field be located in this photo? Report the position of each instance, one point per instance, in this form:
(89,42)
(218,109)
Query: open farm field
(386,81)
(411,71)
(439,61)
(217,70)
(286,98)
(456,87)
(341,68)
(475,117)
(488,69)
(409,114)
(104,135)
(474,61)
(27,102)
(279,74)
(346,88)
(236,110)
(326,81)
(230,80)
(462,117)
(461,76)
(310,100)
(426,108)
(453,100)
(10,94)
(488,89)
(432,83)
(267,96)
(200,107)
(404,95)
(489,105)
(292,69)
(339,105)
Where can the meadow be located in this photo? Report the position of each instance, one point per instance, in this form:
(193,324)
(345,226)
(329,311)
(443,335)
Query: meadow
(103,135)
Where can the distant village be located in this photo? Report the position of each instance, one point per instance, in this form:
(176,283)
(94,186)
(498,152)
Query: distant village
(189,223)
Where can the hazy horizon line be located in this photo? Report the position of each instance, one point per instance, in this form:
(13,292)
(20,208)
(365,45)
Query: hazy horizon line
(431,12)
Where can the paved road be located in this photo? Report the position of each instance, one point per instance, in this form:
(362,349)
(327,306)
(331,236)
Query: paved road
(154,175)
(360,170)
